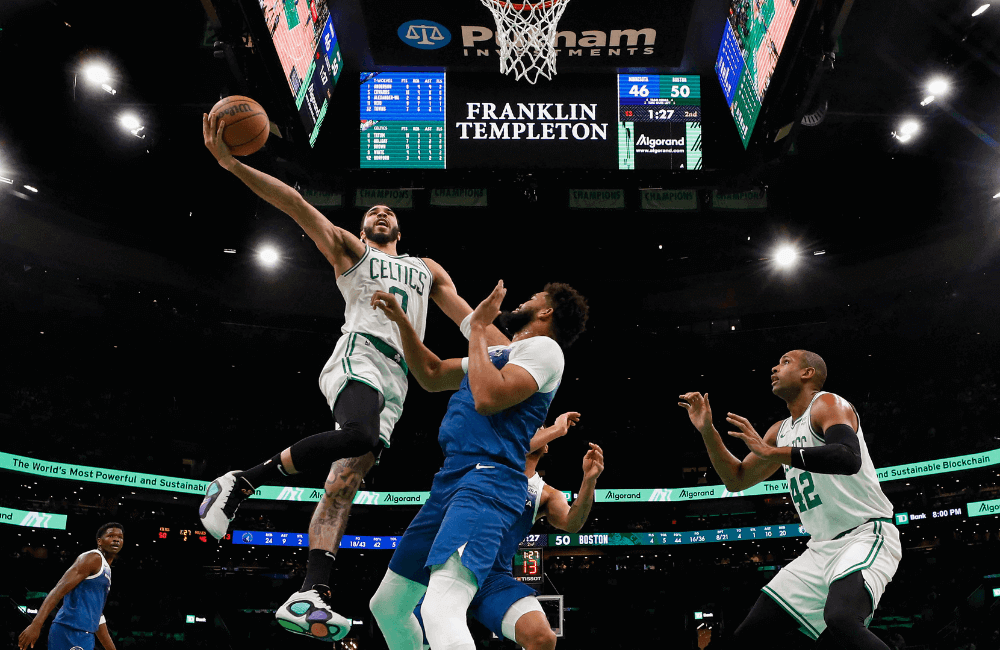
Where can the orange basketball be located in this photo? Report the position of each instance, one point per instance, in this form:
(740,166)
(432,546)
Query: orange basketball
(247,125)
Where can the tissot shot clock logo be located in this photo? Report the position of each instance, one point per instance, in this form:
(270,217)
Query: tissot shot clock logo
(424,34)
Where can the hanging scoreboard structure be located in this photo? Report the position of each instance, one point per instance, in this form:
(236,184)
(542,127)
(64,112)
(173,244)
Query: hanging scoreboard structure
(753,40)
(438,120)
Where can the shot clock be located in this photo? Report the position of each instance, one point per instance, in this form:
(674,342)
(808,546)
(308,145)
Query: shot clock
(529,566)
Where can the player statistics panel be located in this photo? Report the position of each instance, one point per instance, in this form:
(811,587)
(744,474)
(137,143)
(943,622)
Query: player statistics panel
(402,120)
(745,534)
(575,121)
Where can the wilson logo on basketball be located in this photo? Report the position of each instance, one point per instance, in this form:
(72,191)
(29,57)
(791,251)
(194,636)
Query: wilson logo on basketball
(236,109)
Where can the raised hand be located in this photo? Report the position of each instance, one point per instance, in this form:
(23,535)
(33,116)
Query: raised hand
(567,420)
(593,462)
(699,411)
(390,307)
(750,436)
(489,309)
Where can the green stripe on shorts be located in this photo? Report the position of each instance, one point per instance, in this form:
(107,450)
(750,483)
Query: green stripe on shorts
(872,554)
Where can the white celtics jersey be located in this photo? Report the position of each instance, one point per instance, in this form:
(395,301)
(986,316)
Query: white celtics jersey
(407,278)
(830,504)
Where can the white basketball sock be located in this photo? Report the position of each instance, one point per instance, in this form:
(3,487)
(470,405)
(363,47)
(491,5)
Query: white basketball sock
(392,605)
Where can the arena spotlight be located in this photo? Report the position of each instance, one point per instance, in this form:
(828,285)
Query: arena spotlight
(981,9)
(938,86)
(909,127)
(785,256)
(97,73)
(132,124)
(268,256)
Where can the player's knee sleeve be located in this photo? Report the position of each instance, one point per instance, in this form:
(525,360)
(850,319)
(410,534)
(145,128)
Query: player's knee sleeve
(525,623)
(317,452)
(392,606)
(449,593)
(848,606)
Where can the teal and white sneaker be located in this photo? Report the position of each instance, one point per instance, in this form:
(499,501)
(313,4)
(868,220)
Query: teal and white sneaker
(222,497)
(309,613)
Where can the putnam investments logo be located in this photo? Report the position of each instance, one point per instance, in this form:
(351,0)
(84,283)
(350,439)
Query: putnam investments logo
(424,34)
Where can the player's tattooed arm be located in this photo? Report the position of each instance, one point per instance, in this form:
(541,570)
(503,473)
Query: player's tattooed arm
(561,427)
(444,293)
(428,369)
(341,248)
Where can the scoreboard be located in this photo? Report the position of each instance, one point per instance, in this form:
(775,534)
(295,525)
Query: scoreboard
(744,534)
(269,538)
(528,566)
(438,120)
(752,42)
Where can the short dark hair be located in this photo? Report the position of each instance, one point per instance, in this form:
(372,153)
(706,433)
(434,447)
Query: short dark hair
(569,312)
(814,361)
(108,526)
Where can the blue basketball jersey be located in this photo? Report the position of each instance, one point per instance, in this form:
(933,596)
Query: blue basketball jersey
(517,532)
(82,606)
(503,437)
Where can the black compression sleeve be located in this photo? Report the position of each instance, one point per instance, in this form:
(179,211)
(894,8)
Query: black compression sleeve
(840,455)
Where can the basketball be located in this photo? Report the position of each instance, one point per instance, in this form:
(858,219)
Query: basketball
(247,125)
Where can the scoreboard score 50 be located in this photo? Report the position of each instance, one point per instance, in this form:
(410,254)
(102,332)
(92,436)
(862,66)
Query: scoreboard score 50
(438,120)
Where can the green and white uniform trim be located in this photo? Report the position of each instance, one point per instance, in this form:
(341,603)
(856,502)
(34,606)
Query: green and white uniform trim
(802,587)
(849,520)
(370,350)
(829,504)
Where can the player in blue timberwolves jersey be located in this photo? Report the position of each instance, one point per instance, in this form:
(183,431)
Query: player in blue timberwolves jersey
(503,395)
(508,608)
(83,589)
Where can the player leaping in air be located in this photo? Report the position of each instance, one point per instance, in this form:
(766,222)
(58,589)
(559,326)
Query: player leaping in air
(503,395)
(364,380)
(833,588)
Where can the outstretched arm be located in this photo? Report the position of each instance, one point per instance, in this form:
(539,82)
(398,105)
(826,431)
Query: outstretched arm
(341,248)
(571,518)
(85,565)
(835,419)
(428,369)
(444,293)
(737,474)
(561,427)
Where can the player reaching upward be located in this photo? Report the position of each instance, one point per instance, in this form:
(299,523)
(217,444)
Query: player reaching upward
(503,395)
(833,588)
(507,607)
(364,380)
(83,589)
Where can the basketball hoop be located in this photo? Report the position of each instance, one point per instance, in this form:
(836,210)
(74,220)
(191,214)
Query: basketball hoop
(526,34)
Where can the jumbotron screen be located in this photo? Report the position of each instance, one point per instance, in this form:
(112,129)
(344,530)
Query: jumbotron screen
(437,120)
(303,35)
(751,44)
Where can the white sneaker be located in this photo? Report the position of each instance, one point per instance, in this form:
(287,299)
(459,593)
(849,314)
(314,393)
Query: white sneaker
(309,613)
(213,511)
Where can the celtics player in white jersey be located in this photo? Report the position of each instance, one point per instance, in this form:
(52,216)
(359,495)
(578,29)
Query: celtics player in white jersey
(830,592)
(364,381)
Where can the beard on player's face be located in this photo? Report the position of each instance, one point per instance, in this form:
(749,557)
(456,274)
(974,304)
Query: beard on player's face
(513,322)
(381,238)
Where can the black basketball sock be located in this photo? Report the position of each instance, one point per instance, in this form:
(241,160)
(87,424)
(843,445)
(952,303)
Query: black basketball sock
(319,568)
(267,472)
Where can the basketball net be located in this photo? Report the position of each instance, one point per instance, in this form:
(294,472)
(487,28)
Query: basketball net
(526,34)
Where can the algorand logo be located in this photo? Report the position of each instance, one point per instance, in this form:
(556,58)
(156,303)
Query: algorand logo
(290,494)
(366,498)
(36,520)
(646,141)
(424,34)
